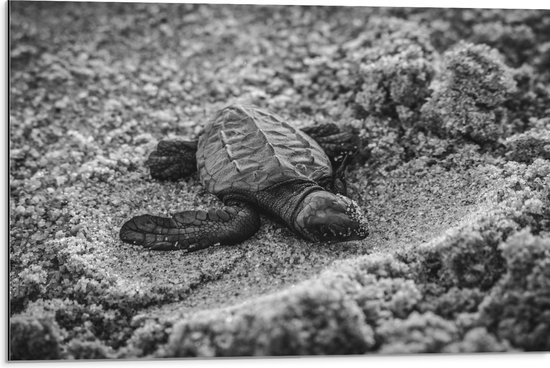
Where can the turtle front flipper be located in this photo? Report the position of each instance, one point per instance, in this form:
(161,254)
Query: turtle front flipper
(337,142)
(173,160)
(192,230)
(337,182)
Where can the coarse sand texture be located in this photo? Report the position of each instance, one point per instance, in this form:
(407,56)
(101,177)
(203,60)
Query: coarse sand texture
(452,109)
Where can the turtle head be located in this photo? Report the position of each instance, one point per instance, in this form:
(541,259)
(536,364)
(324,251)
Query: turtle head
(326,217)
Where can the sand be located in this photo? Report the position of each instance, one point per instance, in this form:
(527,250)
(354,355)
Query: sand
(452,110)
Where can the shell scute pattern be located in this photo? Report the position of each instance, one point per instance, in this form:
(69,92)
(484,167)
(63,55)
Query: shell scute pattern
(249,149)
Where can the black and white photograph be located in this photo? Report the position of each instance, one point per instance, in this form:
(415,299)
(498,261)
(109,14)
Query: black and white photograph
(205,181)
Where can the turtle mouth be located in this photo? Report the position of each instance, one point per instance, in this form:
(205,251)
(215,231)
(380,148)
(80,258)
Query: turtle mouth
(347,226)
(334,232)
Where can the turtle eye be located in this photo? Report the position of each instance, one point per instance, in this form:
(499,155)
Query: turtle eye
(337,207)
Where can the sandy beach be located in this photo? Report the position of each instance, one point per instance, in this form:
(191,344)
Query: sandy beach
(453,111)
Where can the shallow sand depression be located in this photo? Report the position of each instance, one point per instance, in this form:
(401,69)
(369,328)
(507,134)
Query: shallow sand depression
(408,212)
(453,175)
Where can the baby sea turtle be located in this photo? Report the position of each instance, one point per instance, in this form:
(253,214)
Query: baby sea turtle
(255,162)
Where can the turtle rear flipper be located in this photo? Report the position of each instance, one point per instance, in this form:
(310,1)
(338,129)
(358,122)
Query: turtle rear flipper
(192,230)
(173,160)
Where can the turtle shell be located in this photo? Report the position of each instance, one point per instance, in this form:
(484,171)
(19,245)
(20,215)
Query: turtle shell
(248,149)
